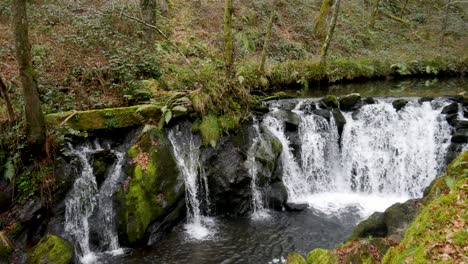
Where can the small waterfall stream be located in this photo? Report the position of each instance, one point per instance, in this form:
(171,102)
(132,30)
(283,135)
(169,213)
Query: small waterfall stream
(186,147)
(87,199)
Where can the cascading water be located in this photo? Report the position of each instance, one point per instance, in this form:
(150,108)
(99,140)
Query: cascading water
(186,147)
(385,154)
(86,198)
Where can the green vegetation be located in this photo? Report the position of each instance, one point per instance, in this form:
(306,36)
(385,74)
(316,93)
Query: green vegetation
(51,249)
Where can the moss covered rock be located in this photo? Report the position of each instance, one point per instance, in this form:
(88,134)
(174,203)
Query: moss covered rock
(350,101)
(295,258)
(153,187)
(6,247)
(321,256)
(329,101)
(51,250)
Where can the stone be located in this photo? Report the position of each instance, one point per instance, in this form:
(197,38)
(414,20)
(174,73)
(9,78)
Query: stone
(51,249)
(350,102)
(368,100)
(277,195)
(323,113)
(459,124)
(329,101)
(294,207)
(102,160)
(425,99)
(340,120)
(6,247)
(295,258)
(460,138)
(308,107)
(450,109)
(28,210)
(399,104)
(453,121)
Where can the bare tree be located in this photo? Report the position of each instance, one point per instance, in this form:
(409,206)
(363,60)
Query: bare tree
(375,11)
(35,124)
(320,21)
(444,24)
(149,12)
(228,42)
(267,37)
(4,94)
(331,30)
(403,9)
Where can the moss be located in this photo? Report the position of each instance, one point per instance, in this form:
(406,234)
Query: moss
(321,256)
(52,250)
(210,130)
(295,258)
(133,151)
(228,122)
(106,118)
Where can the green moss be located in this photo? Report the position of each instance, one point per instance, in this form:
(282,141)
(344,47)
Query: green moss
(321,256)
(133,151)
(295,258)
(52,250)
(228,122)
(210,130)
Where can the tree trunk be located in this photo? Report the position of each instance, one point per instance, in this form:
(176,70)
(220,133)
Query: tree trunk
(403,9)
(228,43)
(4,94)
(375,11)
(267,37)
(444,24)
(148,11)
(331,29)
(35,125)
(320,25)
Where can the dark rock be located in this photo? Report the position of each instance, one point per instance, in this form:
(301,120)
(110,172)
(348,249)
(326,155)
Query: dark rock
(290,119)
(102,161)
(460,138)
(399,104)
(457,123)
(287,105)
(452,120)
(368,100)
(293,207)
(350,102)
(425,99)
(28,210)
(308,107)
(277,195)
(323,113)
(340,120)
(450,109)
(457,98)
(5,201)
(329,101)
(161,226)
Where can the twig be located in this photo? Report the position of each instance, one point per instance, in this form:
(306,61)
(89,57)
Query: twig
(68,118)
(164,36)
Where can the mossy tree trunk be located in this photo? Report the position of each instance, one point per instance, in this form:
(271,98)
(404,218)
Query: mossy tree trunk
(320,21)
(444,24)
(267,37)
(35,125)
(403,9)
(149,12)
(331,30)
(6,98)
(228,42)
(375,11)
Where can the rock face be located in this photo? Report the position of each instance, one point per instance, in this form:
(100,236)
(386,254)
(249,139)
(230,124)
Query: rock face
(350,102)
(152,189)
(51,250)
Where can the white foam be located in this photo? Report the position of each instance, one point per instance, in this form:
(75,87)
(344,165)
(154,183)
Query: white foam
(89,258)
(201,230)
(260,215)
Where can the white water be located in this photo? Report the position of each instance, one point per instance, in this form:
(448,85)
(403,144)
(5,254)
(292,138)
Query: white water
(186,149)
(85,198)
(385,156)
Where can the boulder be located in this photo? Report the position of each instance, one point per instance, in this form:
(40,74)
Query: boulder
(329,101)
(399,104)
(340,120)
(6,247)
(450,109)
(350,102)
(321,256)
(277,195)
(323,113)
(425,99)
(291,120)
(295,258)
(368,100)
(153,187)
(51,249)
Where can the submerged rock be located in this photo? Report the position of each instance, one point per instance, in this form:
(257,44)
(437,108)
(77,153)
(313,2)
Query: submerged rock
(399,104)
(350,102)
(51,249)
(153,187)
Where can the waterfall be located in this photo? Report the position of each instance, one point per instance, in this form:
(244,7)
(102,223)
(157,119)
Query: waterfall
(253,168)
(86,198)
(186,147)
(384,156)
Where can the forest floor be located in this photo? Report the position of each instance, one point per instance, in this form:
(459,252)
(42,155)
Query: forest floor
(89,54)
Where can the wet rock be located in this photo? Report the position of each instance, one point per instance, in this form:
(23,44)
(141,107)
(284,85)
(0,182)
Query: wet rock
(450,109)
(29,209)
(457,98)
(308,107)
(323,113)
(295,258)
(425,99)
(6,247)
(460,137)
(287,105)
(291,120)
(399,104)
(340,120)
(51,249)
(294,207)
(102,160)
(277,195)
(368,100)
(459,124)
(5,201)
(329,101)
(350,102)
(452,120)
